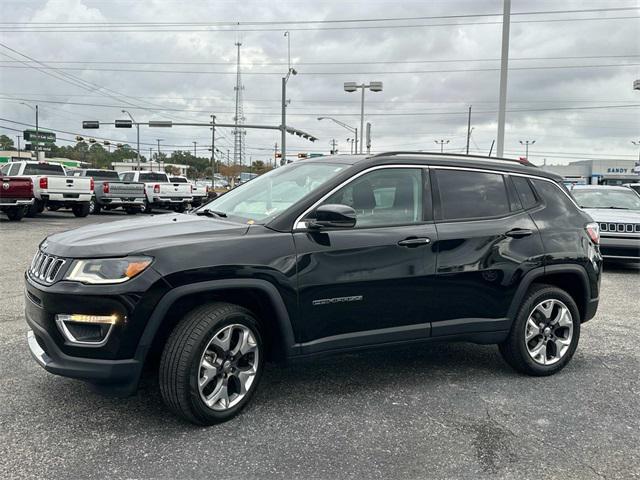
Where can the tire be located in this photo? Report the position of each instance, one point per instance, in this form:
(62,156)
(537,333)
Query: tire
(81,210)
(16,214)
(94,207)
(131,210)
(40,206)
(54,208)
(197,334)
(560,339)
(35,208)
(147,207)
(180,208)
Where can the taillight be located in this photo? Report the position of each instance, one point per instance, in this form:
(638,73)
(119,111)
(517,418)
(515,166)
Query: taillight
(593,230)
(44,182)
(92,184)
(156,188)
(105,187)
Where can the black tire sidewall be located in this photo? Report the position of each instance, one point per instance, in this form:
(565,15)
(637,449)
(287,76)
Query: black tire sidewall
(520,326)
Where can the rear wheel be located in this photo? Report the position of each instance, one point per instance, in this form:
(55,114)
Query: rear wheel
(81,210)
(131,210)
(545,334)
(147,207)
(180,208)
(35,208)
(94,207)
(16,214)
(212,363)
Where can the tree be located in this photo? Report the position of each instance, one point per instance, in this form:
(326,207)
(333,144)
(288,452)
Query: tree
(259,167)
(6,143)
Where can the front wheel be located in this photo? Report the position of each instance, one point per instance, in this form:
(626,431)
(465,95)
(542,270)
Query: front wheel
(545,333)
(16,214)
(181,208)
(94,207)
(81,210)
(212,363)
(148,208)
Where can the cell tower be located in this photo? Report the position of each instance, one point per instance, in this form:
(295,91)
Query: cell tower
(238,132)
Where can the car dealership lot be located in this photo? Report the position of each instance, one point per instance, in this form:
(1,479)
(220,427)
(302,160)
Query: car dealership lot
(454,411)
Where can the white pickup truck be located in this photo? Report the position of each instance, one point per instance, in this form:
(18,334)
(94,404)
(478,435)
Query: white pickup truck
(52,188)
(159,191)
(199,194)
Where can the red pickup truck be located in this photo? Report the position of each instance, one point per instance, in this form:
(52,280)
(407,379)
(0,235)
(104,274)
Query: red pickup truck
(16,196)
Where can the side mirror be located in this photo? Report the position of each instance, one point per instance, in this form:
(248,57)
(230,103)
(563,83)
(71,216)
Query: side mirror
(333,216)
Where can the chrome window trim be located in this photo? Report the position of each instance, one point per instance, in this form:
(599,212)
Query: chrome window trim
(299,225)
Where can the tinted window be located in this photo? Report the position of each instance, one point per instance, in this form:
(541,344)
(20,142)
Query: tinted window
(178,180)
(5,169)
(127,177)
(102,174)
(525,192)
(15,168)
(391,196)
(466,194)
(43,169)
(153,177)
(556,201)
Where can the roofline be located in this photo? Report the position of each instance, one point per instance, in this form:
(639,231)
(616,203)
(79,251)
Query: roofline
(453,155)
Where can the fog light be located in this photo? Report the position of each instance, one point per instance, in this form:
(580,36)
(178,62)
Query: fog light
(89,330)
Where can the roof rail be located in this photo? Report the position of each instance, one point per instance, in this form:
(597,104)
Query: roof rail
(456,155)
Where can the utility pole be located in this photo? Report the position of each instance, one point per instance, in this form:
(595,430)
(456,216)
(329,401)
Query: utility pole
(138,136)
(442,143)
(334,145)
(150,153)
(468,129)
(213,148)
(37,131)
(350,142)
(504,67)
(492,143)
(194,149)
(526,144)
(275,154)
(18,137)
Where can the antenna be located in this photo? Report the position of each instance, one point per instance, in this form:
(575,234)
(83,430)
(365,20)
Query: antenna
(238,132)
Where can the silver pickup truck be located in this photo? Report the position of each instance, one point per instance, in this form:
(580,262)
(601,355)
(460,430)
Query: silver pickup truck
(159,191)
(110,192)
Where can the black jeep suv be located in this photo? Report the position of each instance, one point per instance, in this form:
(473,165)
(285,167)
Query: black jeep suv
(319,256)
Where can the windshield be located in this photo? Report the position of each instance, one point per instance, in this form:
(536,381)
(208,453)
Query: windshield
(605,198)
(264,197)
(153,177)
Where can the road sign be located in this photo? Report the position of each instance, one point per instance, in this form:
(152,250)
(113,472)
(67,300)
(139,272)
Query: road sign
(32,148)
(40,136)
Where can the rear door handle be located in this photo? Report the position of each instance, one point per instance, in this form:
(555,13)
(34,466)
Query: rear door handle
(414,242)
(519,233)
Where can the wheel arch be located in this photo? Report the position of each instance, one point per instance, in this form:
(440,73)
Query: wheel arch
(258,296)
(571,278)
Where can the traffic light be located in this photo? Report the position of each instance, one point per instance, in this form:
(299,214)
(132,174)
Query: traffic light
(79,139)
(302,155)
(124,123)
(91,124)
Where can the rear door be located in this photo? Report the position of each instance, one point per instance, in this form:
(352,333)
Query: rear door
(371,283)
(486,243)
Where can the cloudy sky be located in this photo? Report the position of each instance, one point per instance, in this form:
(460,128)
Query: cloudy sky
(570,79)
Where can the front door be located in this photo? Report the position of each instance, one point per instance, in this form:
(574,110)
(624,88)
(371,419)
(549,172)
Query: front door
(370,283)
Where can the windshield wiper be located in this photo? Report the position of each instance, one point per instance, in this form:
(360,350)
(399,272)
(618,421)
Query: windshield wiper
(211,213)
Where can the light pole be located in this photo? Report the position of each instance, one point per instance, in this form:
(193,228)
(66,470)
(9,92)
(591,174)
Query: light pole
(344,125)
(350,142)
(18,137)
(195,154)
(637,144)
(285,79)
(37,129)
(526,144)
(158,156)
(213,147)
(442,143)
(138,136)
(353,87)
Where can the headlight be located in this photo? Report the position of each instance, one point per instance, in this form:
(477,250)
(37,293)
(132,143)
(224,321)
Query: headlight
(107,270)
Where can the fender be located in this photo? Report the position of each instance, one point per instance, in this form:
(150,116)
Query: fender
(281,313)
(538,272)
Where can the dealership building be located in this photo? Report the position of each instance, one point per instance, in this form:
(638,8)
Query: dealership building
(598,172)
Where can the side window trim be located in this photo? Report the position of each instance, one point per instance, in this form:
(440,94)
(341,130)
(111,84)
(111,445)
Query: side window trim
(300,224)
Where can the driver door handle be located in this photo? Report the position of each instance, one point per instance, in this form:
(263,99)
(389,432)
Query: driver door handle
(413,242)
(519,233)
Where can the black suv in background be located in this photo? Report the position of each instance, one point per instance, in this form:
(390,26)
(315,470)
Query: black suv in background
(320,256)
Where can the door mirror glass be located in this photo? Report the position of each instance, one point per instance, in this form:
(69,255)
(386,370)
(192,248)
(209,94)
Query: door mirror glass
(333,216)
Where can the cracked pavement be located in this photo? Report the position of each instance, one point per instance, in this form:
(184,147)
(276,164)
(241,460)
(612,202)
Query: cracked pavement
(435,411)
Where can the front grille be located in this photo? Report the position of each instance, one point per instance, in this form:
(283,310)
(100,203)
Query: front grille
(45,268)
(620,227)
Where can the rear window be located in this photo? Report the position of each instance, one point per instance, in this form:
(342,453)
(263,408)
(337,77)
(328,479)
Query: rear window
(557,202)
(525,192)
(102,174)
(466,194)
(43,169)
(178,180)
(153,177)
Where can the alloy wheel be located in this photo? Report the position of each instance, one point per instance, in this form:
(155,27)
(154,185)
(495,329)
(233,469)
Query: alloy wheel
(228,367)
(548,332)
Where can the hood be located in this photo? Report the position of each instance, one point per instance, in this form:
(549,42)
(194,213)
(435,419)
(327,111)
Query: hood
(138,235)
(606,215)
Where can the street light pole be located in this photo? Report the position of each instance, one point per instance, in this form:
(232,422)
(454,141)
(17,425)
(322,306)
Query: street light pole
(526,144)
(18,137)
(285,79)
(213,147)
(137,136)
(345,126)
(504,68)
(361,119)
(442,143)
(637,144)
(352,87)
(195,155)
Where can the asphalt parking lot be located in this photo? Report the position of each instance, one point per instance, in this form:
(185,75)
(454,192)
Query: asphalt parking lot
(439,411)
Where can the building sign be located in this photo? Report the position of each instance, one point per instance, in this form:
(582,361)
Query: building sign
(617,170)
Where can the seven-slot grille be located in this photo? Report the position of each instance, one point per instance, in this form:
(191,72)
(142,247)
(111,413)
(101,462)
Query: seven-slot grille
(45,268)
(620,227)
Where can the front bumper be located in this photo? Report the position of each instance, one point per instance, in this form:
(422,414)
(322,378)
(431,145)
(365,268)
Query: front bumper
(620,248)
